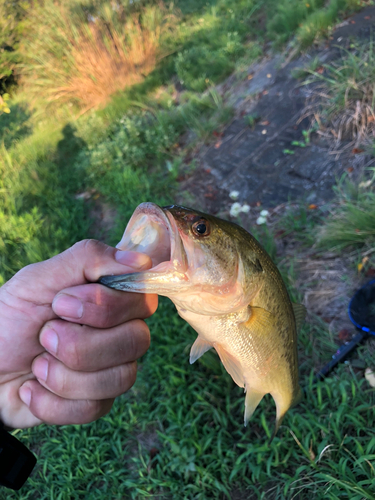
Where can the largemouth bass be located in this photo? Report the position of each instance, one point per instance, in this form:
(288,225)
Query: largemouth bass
(225,285)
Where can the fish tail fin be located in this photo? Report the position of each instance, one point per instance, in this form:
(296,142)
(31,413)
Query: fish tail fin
(253,398)
(282,406)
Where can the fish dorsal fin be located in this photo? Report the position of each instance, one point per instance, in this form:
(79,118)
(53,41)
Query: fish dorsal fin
(299,313)
(252,400)
(259,320)
(199,347)
(231,364)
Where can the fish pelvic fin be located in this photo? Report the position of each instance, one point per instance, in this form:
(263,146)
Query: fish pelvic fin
(282,407)
(199,347)
(252,399)
(299,314)
(231,364)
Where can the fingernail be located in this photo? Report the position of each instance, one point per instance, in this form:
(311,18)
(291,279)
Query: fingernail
(68,307)
(40,369)
(25,395)
(132,259)
(49,340)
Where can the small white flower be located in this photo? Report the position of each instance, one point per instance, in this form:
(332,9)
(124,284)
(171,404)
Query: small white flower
(261,220)
(264,213)
(233,195)
(235,209)
(245,208)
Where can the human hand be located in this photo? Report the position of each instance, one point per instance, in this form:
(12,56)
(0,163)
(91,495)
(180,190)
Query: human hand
(68,346)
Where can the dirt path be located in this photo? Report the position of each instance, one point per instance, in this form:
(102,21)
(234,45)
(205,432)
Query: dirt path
(255,159)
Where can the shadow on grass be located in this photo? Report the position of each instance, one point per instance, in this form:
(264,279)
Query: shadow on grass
(68,147)
(14,126)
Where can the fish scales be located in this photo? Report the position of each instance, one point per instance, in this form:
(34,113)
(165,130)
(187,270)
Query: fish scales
(225,285)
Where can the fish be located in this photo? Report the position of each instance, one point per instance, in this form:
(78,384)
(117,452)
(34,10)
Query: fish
(226,286)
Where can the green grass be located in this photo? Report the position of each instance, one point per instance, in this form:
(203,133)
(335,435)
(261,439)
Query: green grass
(179,434)
(346,98)
(352,221)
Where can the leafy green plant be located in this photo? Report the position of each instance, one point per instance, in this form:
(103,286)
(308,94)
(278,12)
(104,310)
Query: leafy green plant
(4,106)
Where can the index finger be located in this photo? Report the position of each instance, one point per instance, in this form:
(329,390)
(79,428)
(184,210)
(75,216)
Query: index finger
(101,307)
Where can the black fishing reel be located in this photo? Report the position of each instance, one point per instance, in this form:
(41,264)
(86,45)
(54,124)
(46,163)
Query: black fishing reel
(361,312)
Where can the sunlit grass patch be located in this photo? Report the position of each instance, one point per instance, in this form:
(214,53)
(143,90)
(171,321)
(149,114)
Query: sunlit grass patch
(308,20)
(73,55)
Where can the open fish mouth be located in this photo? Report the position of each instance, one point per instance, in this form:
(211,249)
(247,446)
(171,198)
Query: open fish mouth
(153,230)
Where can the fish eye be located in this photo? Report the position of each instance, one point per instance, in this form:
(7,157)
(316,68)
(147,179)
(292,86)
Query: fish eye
(201,228)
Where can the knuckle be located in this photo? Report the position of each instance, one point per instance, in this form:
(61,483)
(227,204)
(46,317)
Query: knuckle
(93,409)
(141,338)
(72,355)
(127,375)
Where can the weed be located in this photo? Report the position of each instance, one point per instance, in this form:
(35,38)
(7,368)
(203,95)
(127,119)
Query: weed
(305,142)
(84,58)
(352,222)
(252,119)
(305,71)
(345,98)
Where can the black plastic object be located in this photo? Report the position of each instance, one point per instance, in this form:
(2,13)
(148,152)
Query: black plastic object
(16,461)
(361,312)
(362,308)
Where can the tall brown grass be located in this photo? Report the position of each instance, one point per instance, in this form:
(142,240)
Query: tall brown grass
(73,56)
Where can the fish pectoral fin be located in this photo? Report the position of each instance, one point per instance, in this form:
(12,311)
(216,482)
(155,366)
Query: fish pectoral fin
(260,320)
(199,347)
(231,364)
(252,399)
(299,314)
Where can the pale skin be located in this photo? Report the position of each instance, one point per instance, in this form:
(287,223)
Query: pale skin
(68,346)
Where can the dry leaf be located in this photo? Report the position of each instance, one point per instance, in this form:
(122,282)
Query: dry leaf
(350,169)
(356,151)
(250,77)
(312,206)
(320,70)
(344,335)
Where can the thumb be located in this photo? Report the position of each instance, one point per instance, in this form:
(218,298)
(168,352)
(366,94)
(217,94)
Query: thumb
(83,263)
